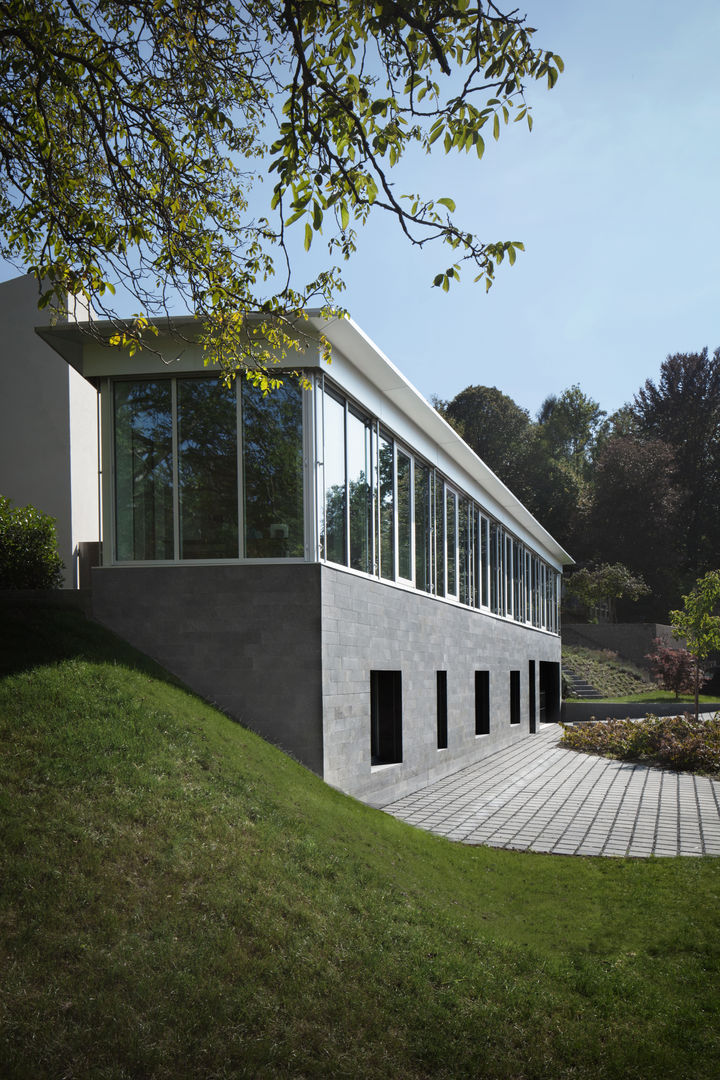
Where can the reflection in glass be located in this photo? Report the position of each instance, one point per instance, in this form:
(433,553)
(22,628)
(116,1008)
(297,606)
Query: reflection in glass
(451,546)
(439,537)
(332,526)
(273,472)
(404,516)
(387,502)
(207,469)
(485,565)
(143,470)
(423,532)
(360,476)
(464,547)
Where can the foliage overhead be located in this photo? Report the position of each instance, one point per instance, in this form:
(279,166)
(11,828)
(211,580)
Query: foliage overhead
(135,136)
(29,557)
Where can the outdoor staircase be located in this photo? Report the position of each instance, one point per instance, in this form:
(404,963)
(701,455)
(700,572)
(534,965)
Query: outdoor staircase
(578,686)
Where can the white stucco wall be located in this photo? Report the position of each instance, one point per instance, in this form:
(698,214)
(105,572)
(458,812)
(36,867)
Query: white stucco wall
(45,408)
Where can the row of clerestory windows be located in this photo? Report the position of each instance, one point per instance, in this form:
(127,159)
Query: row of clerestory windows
(385,511)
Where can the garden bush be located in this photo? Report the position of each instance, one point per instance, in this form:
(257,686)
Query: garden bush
(29,557)
(675,742)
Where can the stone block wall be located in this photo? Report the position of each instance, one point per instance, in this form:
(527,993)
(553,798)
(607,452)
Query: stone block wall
(369,625)
(246,638)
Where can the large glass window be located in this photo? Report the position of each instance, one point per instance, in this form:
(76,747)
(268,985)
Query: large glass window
(332,530)
(439,537)
(423,529)
(144,470)
(273,472)
(451,533)
(360,491)
(404,515)
(207,469)
(387,508)
(465,536)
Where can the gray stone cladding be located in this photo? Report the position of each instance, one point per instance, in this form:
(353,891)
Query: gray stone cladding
(246,638)
(366,625)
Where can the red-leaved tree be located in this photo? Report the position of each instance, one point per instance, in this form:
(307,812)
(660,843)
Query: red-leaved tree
(673,669)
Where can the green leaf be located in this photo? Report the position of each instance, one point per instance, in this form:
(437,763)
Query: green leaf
(449,203)
(308,236)
(496,127)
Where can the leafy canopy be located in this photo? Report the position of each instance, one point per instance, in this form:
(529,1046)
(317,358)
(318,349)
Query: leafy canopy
(135,134)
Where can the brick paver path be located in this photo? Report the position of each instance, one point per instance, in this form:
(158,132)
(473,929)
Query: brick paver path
(536,796)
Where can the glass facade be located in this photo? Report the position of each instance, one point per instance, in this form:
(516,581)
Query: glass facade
(203,471)
(423,530)
(179,493)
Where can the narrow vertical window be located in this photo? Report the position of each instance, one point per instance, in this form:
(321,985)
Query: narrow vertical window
(482,702)
(386,484)
(207,469)
(439,537)
(385,717)
(404,515)
(464,546)
(514,697)
(451,541)
(360,491)
(518,591)
(423,530)
(484,562)
(144,470)
(272,454)
(335,506)
(442,711)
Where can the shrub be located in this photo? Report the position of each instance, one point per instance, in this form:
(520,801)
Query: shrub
(28,548)
(673,669)
(675,742)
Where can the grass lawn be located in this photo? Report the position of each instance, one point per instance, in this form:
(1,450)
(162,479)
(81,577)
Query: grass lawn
(178,900)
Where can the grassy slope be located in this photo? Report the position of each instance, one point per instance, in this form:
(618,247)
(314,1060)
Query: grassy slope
(179,899)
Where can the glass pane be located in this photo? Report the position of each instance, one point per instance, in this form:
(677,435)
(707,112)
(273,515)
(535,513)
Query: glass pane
(387,501)
(207,469)
(495,566)
(143,470)
(332,532)
(359,457)
(422,528)
(404,516)
(273,472)
(439,538)
(518,591)
(451,534)
(464,550)
(485,565)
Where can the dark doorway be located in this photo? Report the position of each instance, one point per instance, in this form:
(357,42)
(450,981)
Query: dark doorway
(532,702)
(549,692)
(514,697)
(385,717)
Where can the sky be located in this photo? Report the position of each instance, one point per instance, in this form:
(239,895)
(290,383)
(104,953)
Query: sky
(614,194)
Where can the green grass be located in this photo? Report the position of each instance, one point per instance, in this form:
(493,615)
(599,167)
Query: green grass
(180,900)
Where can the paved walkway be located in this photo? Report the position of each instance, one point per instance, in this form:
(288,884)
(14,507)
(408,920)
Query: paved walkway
(535,796)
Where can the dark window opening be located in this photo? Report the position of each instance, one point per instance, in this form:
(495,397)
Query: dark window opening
(482,702)
(442,713)
(532,701)
(514,697)
(385,717)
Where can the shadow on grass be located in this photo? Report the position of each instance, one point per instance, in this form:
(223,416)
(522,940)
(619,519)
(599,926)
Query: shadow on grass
(34,633)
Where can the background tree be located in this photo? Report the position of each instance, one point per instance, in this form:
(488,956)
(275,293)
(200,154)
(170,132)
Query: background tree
(602,586)
(672,669)
(634,517)
(134,135)
(569,426)
(699,623)
(683,410)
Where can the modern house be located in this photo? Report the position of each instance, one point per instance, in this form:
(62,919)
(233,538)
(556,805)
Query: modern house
(332,566)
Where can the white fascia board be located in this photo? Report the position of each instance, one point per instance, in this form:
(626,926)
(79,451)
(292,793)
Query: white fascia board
(358,349)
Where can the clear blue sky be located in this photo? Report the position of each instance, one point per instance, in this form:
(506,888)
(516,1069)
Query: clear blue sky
(615,194)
